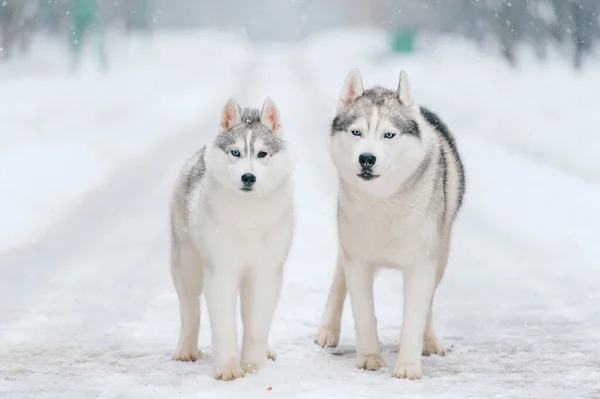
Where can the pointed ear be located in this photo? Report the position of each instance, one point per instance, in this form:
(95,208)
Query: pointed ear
(230,115)
(404,91)
(353,88)
(269,116)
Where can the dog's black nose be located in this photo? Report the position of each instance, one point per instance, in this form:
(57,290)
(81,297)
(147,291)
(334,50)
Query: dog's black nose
(366,160)
(248,179)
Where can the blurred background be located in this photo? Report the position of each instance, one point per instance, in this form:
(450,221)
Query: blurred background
(571,25)
(101,101)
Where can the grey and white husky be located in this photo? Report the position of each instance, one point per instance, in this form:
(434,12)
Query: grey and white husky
(401,184)
(232,227)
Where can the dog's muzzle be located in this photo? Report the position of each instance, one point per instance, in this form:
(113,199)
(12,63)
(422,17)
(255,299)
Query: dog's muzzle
(367,174)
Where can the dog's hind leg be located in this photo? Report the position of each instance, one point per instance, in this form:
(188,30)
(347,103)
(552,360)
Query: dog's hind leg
(431,344)
(186,271)
(328,334)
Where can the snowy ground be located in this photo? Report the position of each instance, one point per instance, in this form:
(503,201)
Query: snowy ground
(87,307)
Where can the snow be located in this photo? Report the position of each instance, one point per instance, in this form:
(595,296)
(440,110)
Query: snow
(87,306)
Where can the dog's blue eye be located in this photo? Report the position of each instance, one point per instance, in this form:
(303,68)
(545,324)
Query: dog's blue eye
(356,132)
(235,153)
(389,135)
(261,154)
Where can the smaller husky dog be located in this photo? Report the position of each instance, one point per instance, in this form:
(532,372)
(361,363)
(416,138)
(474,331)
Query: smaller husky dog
(401,184)
(231,228)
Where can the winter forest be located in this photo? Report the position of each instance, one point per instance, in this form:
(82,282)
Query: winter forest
(103,102)
(571,25)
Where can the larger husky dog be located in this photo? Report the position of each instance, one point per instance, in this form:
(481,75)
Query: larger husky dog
(401,184)
(232,225)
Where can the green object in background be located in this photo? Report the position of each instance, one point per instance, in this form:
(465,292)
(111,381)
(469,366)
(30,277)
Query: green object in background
(87,19)
(403,41)
(85,9)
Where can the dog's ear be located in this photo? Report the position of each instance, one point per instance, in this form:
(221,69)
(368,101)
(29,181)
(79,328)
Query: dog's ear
(269,116)
(230,115)
(353,88)
(404,91)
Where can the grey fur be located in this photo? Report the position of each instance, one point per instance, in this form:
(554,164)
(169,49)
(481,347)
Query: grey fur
(250,119)
(389,105)
(419,172)
(443,181)
(193,172)
(196,171)
(441,128)
(447,158)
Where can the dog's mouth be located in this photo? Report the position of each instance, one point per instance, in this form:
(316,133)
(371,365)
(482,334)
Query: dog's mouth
(247,189)
(367,175)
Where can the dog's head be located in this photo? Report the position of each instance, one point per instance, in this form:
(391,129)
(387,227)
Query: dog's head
(249,153)
(376,142)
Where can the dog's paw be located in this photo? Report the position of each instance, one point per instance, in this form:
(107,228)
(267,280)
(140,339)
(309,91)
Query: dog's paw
(250,368)
(187,354)
(250,364)
(327,337)
(371,362)
(229,371)
(410,371)
(432,346)
(271,355)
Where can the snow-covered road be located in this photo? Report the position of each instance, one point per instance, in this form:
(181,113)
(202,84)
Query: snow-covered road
(87,306)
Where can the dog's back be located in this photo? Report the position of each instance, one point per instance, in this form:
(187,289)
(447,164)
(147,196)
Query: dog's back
(451,173)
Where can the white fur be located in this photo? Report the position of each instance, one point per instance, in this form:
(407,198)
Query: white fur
(225,240)
(380,225)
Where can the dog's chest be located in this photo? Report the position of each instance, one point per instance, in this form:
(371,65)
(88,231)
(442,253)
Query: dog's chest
(248,229)
(389,234)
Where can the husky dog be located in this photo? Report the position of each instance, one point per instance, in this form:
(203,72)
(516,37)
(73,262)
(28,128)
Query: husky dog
(401,184)
(231,228)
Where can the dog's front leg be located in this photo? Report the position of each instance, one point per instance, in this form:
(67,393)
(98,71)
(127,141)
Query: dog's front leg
(259,295)
(359,278)
(419,284)
(221,284)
